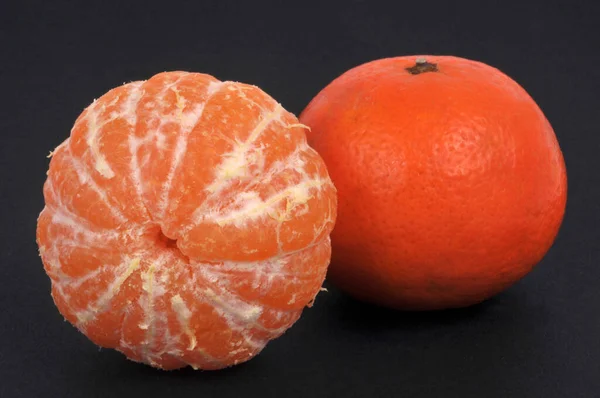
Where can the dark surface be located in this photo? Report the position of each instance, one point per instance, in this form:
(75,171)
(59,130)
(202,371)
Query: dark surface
(541,338)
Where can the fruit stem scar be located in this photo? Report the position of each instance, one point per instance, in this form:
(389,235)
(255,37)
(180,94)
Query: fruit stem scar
(421,66)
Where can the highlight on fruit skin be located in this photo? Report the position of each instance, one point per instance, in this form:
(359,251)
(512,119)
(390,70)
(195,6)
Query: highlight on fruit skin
(451,182)
(186,221)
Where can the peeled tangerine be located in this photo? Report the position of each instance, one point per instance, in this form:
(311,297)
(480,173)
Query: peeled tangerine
(187,221)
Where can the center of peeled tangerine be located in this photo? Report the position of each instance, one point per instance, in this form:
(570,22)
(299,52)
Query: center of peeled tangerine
(167,242)
(163,242)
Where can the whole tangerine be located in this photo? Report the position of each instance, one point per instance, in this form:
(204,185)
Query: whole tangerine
(451,182)
(186,221)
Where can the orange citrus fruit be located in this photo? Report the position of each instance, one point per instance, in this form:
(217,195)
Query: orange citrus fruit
(451,182)
(186,222)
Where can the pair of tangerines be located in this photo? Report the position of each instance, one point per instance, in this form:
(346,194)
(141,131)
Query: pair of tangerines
(188,220)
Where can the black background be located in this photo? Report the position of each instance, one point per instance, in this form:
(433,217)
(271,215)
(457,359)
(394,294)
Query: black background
(541,338)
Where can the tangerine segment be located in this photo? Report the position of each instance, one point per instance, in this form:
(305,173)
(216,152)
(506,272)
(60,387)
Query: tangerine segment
(187,221)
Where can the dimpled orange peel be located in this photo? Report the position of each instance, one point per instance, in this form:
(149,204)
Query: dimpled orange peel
(186,221)
(452,184)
